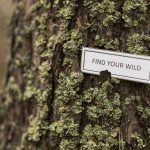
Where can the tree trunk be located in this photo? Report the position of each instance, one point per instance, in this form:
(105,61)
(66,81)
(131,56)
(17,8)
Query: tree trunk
(48,103)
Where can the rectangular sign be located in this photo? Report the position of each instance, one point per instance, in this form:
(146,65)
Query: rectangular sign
(120,65)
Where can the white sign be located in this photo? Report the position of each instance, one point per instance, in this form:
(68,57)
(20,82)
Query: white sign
(120,65)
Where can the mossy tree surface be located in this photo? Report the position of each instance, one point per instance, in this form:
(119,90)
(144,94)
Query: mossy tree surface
(48,104)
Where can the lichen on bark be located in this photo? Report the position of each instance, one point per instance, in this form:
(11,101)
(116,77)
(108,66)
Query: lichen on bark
(48,103)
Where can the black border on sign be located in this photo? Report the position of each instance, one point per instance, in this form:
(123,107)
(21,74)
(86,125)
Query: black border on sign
(115,55)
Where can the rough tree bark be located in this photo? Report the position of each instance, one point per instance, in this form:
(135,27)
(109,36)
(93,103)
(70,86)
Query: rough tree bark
(48,104)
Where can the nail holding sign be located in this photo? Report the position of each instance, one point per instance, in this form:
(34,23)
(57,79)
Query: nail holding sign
(120,65)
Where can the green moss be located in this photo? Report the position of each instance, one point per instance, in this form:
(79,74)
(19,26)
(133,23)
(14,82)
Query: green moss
(134,12)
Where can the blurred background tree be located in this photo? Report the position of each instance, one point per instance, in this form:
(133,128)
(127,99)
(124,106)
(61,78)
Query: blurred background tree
(6,9)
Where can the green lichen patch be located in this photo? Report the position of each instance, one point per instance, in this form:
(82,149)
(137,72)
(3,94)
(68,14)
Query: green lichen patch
(40,43)
(44,69)
(96,137)
(38,124)
(65,127)
(134,12)
(19,61)
(103,112)
(29,91)
(72,46)
(100,40)
(68,86)
(144,111)
(66,12)
(139,142)
(103,105)
(12,91)
(131,98)
(106,8)
(68,106)
(39,5)
(68,145)
(40,22)
(135,44)
(33,131)
(112,44)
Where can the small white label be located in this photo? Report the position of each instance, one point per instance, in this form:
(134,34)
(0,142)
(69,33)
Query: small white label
(120,65)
